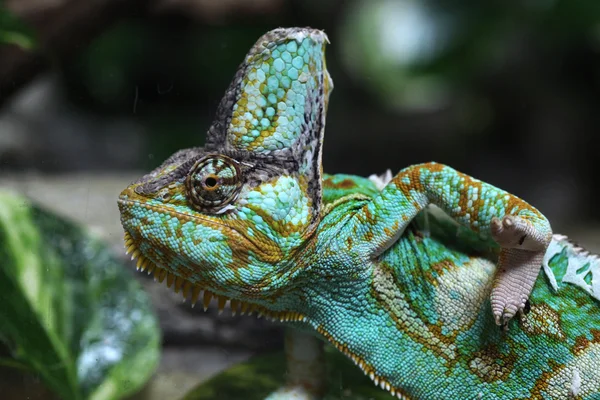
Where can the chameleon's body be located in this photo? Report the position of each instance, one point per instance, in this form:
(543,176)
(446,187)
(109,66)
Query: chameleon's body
(411,296)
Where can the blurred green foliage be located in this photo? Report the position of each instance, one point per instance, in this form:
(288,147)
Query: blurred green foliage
(14,31)
(417,55)
(72,314)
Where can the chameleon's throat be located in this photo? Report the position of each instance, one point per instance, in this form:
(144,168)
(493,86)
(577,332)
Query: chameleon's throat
(188,289)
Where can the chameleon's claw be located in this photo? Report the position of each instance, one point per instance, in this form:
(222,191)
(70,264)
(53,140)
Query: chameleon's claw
(527,308)
(519,263)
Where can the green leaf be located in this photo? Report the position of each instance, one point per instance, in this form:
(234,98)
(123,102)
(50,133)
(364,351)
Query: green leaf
(72,313)
(14,31)
(256,378)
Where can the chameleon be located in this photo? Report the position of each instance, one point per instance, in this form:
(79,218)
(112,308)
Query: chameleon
(436,284)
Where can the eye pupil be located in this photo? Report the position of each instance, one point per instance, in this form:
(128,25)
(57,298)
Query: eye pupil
(210,182)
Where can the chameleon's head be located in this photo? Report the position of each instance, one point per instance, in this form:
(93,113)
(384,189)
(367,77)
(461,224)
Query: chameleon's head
(226,218)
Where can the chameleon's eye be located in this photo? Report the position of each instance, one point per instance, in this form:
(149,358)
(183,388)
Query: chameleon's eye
(213,183)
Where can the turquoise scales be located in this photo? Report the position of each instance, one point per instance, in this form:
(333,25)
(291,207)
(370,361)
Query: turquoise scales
(412,293)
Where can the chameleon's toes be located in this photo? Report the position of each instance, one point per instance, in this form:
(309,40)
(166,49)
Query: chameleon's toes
(517,233)
(505,306)
(509,231)
(516,274)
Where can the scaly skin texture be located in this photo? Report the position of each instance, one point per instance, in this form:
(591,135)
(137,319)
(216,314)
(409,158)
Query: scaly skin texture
(412,293)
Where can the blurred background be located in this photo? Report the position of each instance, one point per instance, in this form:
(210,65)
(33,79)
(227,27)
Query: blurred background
(93,93)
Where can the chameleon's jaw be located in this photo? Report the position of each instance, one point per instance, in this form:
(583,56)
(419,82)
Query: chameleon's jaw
(193,291)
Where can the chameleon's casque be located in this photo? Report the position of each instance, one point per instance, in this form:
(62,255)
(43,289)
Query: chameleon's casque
(413,294)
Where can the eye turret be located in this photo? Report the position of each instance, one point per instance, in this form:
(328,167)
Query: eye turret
(213,183)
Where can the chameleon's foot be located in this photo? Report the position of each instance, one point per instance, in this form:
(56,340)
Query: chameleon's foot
(292,393)
(519,263)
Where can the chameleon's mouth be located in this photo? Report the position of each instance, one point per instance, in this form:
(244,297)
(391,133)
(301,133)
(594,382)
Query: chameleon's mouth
(193,291)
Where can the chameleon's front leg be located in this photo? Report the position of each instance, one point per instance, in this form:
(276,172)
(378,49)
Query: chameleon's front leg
(522,232)
(305,362)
